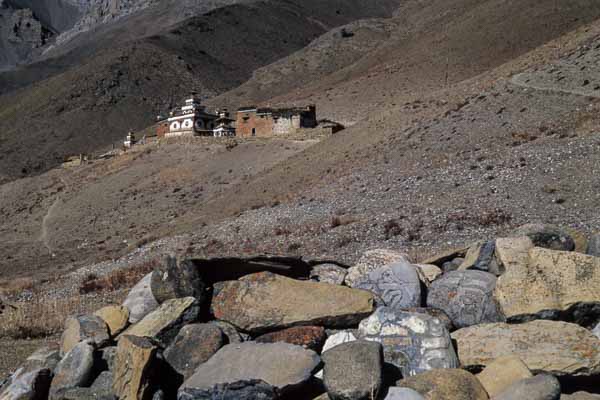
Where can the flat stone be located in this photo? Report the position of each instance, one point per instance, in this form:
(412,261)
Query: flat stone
(194,345)
(428,273)
(593,248)
(87,327)
(134,368)
(503,372)
(173,280)
(397,393)
(328,273)
(372,260)
(547,236)
(115,317)
(28,383)
(480,256)
(74,370)
(240,390)
(353,370)
(513,252)
(446,384)
(540,387)
(466,297)
(558,348)
(397,285)
(164,323)
(559,284)
(413,342)
(140,301)
(280,365)
(265,301)
(309,337)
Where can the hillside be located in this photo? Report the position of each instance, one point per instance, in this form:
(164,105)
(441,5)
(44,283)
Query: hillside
(95,102)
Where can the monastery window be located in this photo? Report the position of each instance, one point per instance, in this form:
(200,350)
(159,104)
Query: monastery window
(175,125)
(253,131)
(188,123)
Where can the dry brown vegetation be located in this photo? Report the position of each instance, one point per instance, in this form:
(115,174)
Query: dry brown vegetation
(116,280)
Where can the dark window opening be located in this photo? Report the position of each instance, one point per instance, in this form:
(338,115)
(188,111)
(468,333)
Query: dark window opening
(253,131)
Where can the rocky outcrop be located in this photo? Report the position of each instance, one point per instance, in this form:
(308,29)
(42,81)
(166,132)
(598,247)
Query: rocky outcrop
(557,348)
(266,301)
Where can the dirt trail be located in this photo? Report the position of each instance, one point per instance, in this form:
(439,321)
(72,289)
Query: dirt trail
(520,80)
(44,229)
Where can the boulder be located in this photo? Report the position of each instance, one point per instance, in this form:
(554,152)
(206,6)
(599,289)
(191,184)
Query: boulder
(88,327)
(84,394)
(309,337)
(135,364)
(328,273)
(194,345)
(265,301)
(427,273)
(513,252)
(353,370)
(503,372)
(164,323)
(547,236)
(480,256)
(558,348)
(335,340)
(103,382)
(466,297)
(253,367)
(433,312)
(397,285)
(44,357)
(446,384)
(559,285)
(413,342)
(115,317)
(580,239)
(231,333)
(27,382)
(372,260)
(593,248)
(580,396)
(397,393)
(173,280)
(540,387)
(239,390)
(74,370)
(140,301)
(107,357)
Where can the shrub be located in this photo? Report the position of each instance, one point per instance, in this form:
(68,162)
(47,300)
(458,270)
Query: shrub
(118,279)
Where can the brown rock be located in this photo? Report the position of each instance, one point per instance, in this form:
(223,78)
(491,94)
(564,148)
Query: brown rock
(446,384)
(559,348)
(557,282)
(513,252)
(87,327)
(115,317)
(448,255)
(309,337)
(132,375)
(503,372)
(265,301)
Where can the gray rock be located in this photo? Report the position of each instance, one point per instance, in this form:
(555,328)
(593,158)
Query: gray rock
(107,357)
(547,236)
(397,285)
(74,370)
(194,345)
(413,342)
(44,357)
(353,370)
(596,330)
(103,382)
(27,382)
(481,257)
(397,393)
(279,365)
(434,312)
(335,340)
(452,265)
(328,273)
(580,396)
(174,280)
(240,390)
(540,387)
(140,301)
(232,335)
(83,394)
(594,245)
(372,260)
(90,328)
(466,296)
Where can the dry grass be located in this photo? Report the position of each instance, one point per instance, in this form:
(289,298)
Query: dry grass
(15,286)
(44,317)
(116,280)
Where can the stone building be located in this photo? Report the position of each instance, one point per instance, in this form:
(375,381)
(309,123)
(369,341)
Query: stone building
(268,122)
(191,120)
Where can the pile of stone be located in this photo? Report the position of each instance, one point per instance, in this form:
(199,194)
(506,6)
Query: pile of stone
(505,319)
